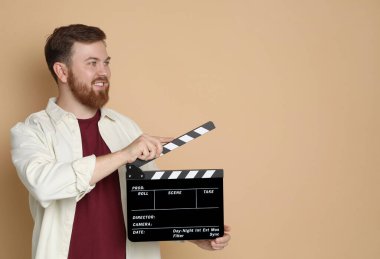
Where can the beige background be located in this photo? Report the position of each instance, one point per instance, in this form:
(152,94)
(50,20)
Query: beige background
(292,86)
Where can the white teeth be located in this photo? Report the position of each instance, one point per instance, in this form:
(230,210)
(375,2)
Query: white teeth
(100,84)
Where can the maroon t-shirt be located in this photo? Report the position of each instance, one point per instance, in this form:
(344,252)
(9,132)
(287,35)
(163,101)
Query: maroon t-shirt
(98,230)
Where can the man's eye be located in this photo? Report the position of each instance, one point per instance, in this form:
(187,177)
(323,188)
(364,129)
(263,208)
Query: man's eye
(92,63)
(106,63)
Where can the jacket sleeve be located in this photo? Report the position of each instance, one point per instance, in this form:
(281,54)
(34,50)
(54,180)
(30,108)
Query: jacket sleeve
(46,178)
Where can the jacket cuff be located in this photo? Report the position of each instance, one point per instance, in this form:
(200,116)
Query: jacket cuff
(84,169)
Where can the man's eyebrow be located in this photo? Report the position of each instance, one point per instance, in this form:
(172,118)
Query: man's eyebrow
(97,59)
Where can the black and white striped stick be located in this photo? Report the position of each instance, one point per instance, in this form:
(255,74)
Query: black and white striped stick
(189,136)
(176,174)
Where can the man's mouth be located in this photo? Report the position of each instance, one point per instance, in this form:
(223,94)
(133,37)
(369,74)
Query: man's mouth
(101,83)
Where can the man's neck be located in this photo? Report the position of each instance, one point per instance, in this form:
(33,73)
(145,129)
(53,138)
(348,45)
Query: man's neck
(75,107)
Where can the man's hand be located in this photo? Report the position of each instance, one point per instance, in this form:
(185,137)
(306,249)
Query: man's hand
(145,147)
(215,244)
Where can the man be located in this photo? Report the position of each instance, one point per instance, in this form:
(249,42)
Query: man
(71,157)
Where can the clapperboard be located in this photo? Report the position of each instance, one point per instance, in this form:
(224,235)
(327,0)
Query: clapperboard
(175,204)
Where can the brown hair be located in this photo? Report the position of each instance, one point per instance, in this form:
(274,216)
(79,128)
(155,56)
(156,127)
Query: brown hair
(59,43)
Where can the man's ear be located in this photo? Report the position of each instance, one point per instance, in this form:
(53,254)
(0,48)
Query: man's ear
(62,71)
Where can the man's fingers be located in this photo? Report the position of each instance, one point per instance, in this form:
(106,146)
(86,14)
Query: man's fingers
(144,152)
(220,242)
(157,146)
(217,246)
(153,146)
(159,143)
(165,140)
(223,239)
(227,228)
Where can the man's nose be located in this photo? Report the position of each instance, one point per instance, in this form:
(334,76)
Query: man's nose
(103,70)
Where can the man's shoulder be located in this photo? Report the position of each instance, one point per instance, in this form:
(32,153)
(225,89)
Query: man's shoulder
(32,123)
(35,118)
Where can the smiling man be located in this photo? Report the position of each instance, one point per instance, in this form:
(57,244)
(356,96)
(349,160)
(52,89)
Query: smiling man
(70,157)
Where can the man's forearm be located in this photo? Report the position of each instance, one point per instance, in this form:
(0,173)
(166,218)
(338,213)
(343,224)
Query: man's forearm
(144,147)
(107,164)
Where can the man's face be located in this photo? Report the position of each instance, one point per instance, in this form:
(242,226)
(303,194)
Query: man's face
(89,74)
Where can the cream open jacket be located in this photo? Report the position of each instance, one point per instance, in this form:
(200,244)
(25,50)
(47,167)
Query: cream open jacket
(47,154)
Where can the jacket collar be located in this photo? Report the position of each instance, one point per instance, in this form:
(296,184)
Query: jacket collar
(58,114)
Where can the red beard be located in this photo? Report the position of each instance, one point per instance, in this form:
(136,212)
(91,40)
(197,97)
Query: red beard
(86,95)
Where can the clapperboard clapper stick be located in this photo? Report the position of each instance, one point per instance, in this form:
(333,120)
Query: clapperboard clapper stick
(175,204)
